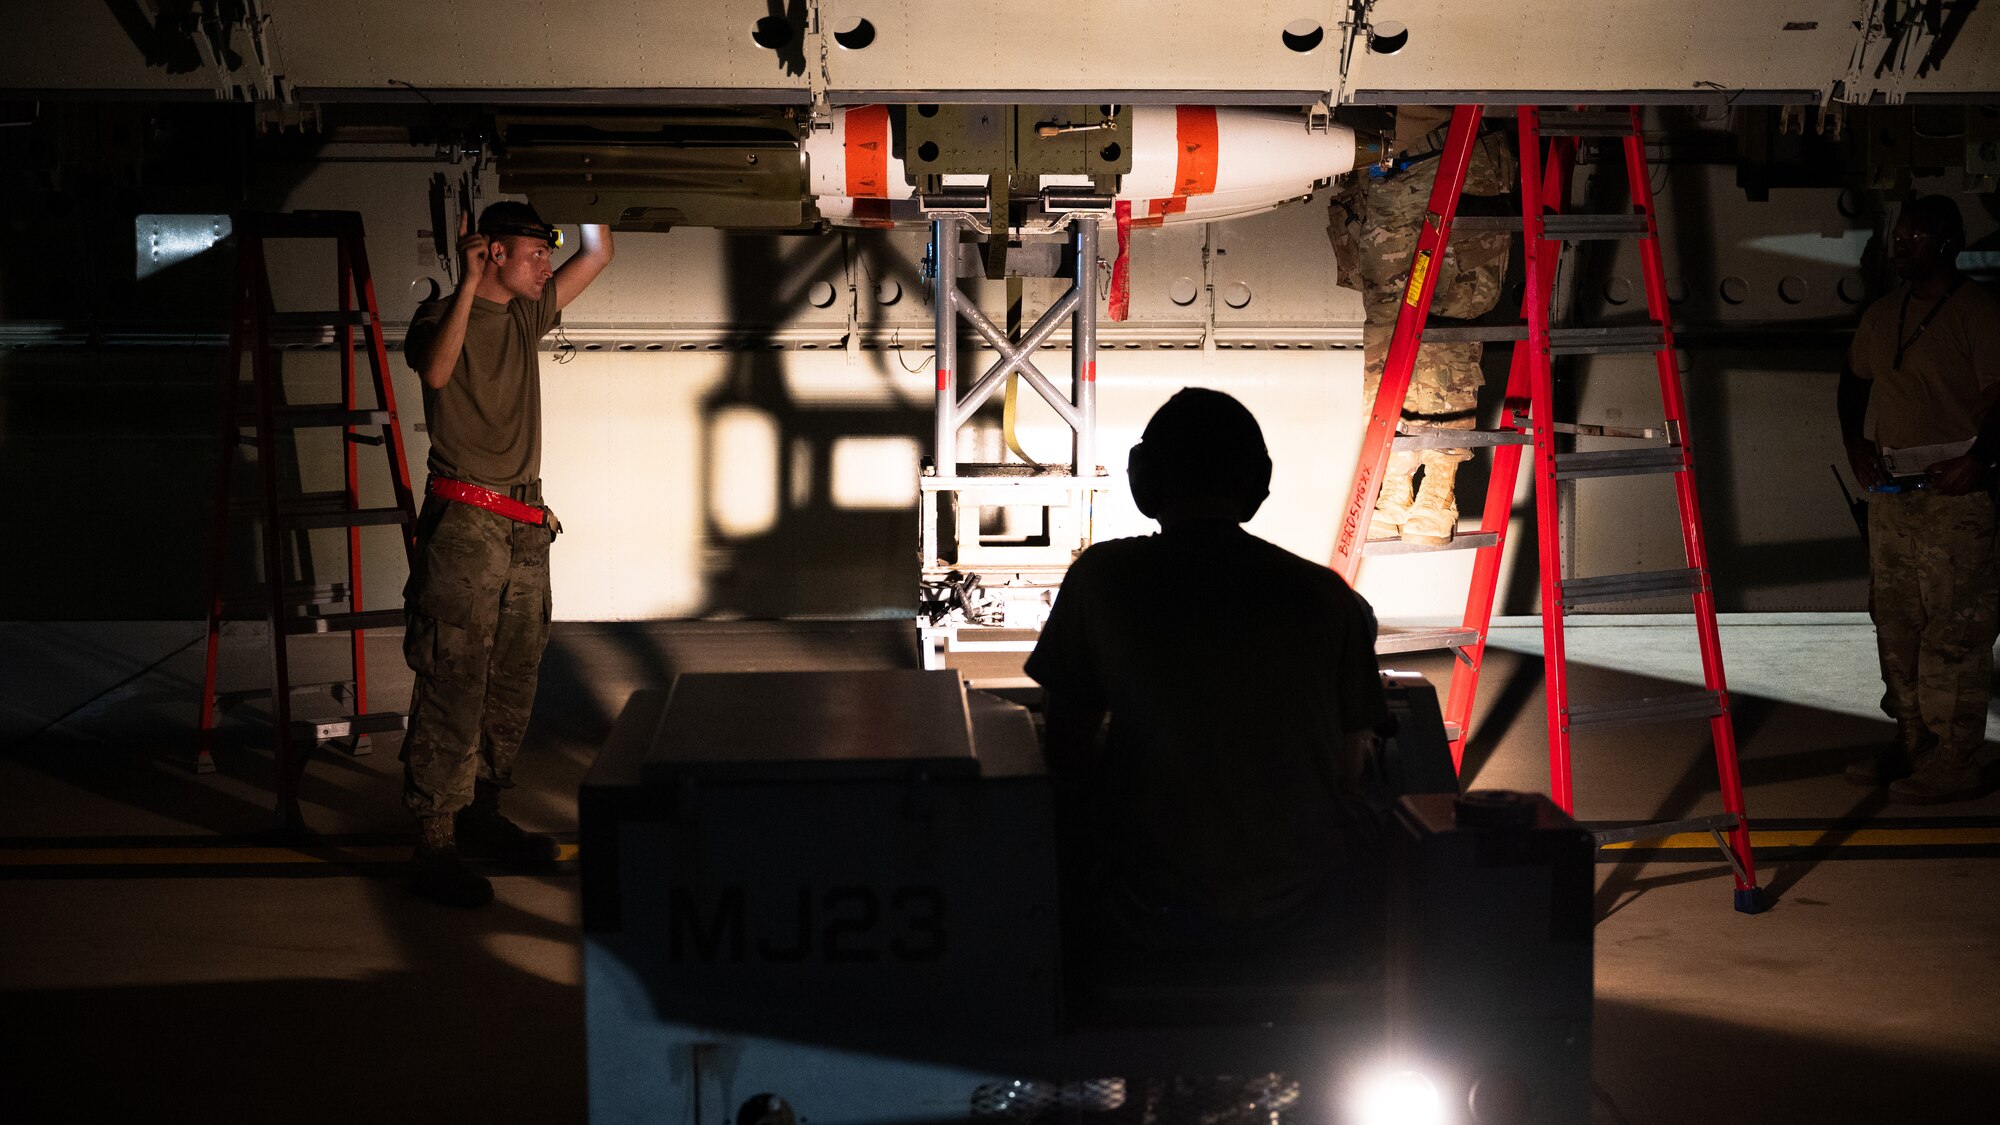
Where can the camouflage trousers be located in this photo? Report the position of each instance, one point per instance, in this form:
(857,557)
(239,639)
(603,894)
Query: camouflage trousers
(1384,218)
(477,608)
(1934,594)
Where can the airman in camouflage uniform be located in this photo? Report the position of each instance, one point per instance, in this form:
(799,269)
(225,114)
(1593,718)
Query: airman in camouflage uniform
(477,604)
(1919,417)
(1383,217)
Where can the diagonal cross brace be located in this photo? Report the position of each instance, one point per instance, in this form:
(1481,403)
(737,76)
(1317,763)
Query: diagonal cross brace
(1017,357)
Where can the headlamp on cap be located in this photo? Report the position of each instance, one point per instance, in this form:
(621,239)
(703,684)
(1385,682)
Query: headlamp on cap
(551,235)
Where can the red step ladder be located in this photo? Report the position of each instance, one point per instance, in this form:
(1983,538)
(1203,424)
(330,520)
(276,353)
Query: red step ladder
(1548,145)
(288,608)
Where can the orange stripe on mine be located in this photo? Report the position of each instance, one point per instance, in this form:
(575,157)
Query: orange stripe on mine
(1194,168)
(867,151)
(1172,205)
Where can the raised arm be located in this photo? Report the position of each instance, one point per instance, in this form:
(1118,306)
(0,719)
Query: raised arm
(575,275)
(473,254)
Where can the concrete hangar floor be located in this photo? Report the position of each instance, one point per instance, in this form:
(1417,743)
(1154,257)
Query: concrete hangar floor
(160,962)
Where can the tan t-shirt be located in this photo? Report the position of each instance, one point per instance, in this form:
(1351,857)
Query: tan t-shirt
(1950,372)
(486,423)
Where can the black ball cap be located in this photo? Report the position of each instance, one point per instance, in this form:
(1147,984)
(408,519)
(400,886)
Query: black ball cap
(513,217)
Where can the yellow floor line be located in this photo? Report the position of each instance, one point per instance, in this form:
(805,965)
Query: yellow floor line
(1822,837)
(168,856)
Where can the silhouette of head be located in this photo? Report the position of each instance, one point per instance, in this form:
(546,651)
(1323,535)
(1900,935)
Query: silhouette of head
(1202,446)
(1929,233)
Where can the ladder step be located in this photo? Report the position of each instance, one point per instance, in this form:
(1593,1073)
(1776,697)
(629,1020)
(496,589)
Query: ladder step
(1584,123)
(300,224)
(303,502)
(330,318)
(1586,429)
(329,503)
(1720,822)
(365,517)
(254,601)
(1642,584)
(1460,439)
(1561,224)
(331,414)
(1621,462)
(1652,709)
(344,622)
(1634,340)
(1474,333)
(1471,541)
(375,722)
(1424,640)
(1578,227)
(341,689)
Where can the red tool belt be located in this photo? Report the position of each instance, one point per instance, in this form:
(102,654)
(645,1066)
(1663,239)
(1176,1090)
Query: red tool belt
(499,503)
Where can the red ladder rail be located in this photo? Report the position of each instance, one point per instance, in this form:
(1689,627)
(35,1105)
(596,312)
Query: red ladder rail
(1541,391)
(1498,511)
(1721,728)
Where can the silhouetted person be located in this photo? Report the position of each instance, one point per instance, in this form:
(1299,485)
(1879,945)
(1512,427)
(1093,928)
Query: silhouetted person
(1920,413)
(1242,689)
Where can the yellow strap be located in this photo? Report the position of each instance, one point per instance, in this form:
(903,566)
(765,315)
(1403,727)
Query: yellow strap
(1007,415)
(1008,410)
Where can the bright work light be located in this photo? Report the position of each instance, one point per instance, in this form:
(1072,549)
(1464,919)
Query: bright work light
(1401,1097)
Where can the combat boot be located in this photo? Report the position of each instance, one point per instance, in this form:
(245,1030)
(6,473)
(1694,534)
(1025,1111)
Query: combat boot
(1433,519)
(484,833)
(439,873)
(1914,741)
(1943,776)
(1392,504)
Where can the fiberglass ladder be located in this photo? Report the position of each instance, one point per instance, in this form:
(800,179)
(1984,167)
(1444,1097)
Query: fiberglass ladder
(1526,419)
(289,607)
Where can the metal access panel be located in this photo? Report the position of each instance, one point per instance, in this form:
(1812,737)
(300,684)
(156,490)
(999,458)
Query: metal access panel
(1029,139)
(958,140)
(1073,140)
(1632,45)
(1158,53)
(856,858)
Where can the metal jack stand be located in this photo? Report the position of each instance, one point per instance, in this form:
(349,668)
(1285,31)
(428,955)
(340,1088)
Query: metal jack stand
(983,592)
